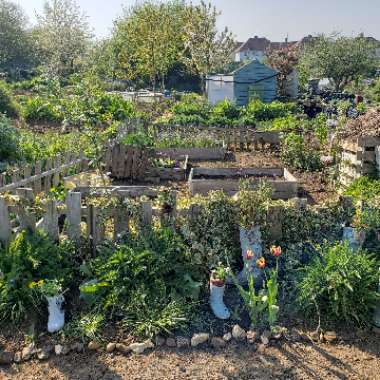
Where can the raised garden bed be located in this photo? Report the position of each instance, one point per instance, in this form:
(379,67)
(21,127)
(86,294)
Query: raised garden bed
(203,180)
(194,154)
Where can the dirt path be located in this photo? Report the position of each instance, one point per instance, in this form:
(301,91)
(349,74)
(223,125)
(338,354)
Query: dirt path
(357,359)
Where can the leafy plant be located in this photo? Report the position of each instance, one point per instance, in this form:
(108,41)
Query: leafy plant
(8,105)
(41,109)
(9,141)
(297,154)
(145,282)
(30,258)
(363,188)
(340,285)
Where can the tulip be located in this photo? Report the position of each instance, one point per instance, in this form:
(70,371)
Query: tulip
(260,263)
(276,251)
(249,254)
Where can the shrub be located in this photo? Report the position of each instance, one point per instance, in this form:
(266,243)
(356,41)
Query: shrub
(40,109)
(225,113)
(364,188)
(8,105)
(298,155)
(213,232)
(9,141)
(29,258)
(340,285)
(145,282)
(260,111)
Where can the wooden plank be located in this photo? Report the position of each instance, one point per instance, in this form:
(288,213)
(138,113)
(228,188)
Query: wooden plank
(57,162)
(121,223)
(146,214)
(74,215)
(36,178)
(128,162)
(5,224)
(50,220)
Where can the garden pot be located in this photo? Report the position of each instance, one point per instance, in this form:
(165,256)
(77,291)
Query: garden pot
(250,240)
(218,307)
(56,314)
(354,236)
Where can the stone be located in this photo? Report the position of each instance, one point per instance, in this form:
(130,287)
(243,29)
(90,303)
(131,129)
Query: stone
(218,342)
(252,336)
(28,351)
(171,342)
(139,348)
(295,335)
(6,357)
(198,339)
(227,337)
(111,347)
(78,347)
(43,353)
(159,340)
(59,349)
(182,342)
(122,348)
(93,345)
(330,336)
(265,337)
(18,357)
(238,333)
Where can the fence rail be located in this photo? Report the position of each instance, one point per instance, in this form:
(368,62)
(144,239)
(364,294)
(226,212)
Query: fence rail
(43,175)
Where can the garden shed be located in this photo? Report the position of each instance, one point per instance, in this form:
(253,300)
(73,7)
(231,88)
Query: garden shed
(253,79)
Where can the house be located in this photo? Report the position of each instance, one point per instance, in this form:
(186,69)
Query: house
(256,47)
(253,79)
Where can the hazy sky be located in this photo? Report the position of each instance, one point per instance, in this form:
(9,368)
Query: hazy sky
(273,19)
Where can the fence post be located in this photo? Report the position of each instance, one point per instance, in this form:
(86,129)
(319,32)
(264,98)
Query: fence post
(37,172)
(5,224)
(27,219)
(146,214)
(50,221)
(47,179)
(74,216)
(121,223)
(56,176)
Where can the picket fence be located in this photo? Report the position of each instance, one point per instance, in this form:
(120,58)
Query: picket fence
(44,174)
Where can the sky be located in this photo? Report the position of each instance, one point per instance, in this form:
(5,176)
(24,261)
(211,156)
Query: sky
(274,19)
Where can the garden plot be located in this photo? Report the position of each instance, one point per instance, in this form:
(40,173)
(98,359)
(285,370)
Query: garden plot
(203,180)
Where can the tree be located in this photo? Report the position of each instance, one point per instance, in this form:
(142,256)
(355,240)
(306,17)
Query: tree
(341,59)
(284,61)
(206,50)
(63,36)
(148,40)
(16,44)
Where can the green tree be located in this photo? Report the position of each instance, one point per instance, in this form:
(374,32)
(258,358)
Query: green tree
(341,59)
(206,49)
(148,40)
(16,44)
(63,36)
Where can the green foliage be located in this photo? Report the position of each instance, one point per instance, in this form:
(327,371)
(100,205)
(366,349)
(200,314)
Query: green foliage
(260,111)
(363,188)
(297,154)
(253,203)
(8,106)
(146,282)
(9,141)
(340,285)
(30,258)
(225,113)
(213,232)
(341,59)
(39,109)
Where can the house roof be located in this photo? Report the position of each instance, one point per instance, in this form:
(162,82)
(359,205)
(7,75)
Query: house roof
(261,44)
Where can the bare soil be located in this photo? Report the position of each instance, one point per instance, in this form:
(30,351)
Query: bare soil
(350,358)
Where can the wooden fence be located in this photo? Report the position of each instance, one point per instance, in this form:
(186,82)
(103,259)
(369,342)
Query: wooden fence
(43,175)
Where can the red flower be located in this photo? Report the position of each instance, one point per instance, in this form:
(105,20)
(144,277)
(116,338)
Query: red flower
(260,263)
(275,251)
(249,254)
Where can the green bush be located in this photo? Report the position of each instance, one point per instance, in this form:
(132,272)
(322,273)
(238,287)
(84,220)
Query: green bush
(8,106)
(145,282)
(260,111)
(29,258)
(192,104)
(298,155)
(364,188)
(340,285)
(9,141)
(40,109)
(225,113)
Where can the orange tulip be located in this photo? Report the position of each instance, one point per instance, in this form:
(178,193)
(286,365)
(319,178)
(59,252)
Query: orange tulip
(260,263)
(276,251)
